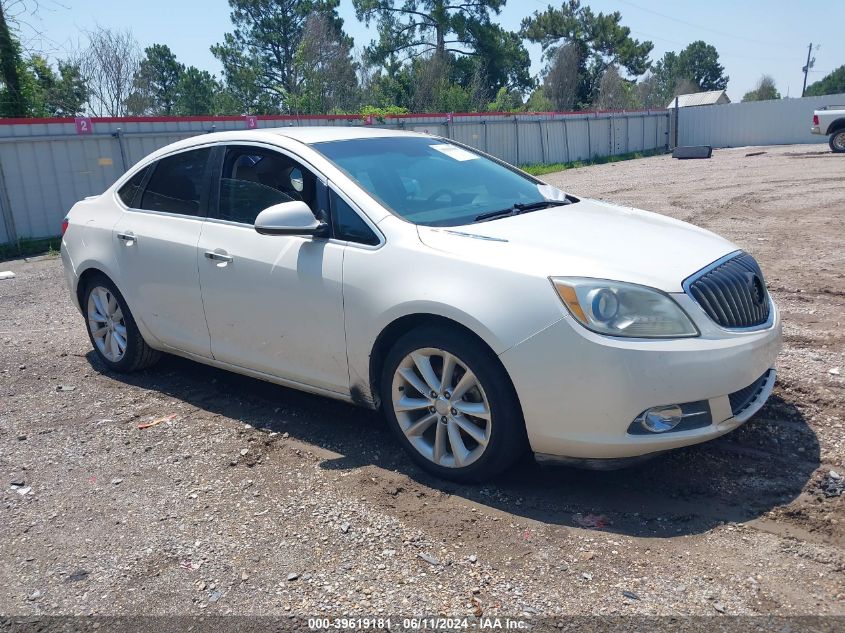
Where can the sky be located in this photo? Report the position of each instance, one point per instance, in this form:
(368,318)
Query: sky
(752,36)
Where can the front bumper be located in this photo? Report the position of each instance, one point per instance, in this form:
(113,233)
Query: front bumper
(580,391)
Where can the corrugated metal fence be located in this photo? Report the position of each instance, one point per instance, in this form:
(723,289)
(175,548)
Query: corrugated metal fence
(47,165)
(776,122)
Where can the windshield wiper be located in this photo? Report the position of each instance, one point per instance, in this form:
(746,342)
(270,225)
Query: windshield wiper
(520,207)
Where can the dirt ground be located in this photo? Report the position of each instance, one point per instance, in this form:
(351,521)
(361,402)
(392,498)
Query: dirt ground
(255,499)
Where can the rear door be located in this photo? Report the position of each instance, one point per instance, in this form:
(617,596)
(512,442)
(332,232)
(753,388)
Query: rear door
(273,303)
(156,245)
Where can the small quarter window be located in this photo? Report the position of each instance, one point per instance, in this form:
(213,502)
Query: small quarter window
(176,185)
(348,225)
(129,191)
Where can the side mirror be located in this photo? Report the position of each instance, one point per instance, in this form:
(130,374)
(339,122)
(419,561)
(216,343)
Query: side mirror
(290,218)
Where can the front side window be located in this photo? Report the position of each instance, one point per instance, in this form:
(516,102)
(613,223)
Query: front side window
(254,179)
(432,182)
(177,183)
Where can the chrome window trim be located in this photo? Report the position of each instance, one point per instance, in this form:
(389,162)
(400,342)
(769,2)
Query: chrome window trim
(767,324)
(139,166)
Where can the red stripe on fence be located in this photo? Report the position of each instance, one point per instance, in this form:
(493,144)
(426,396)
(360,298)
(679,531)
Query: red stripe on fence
(310,117)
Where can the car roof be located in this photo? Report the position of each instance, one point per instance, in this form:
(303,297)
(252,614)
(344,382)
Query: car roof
(305,134)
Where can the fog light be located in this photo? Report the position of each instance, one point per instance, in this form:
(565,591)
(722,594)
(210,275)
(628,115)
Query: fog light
(661,419)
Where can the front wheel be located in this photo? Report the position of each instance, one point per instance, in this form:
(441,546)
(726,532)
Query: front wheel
(452,405)
(837,142)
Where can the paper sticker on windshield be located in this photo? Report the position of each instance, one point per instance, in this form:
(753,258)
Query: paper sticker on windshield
(453,151)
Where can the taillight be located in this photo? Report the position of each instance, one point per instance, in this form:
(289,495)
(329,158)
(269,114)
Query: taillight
(64,227)
(815,119)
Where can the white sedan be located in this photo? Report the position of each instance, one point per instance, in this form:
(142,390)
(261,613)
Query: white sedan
(483,311)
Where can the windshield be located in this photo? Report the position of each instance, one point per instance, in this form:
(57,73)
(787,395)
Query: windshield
(432,182)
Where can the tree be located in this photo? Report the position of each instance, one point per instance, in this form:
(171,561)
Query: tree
(700,62)
(599,40)
(109,65)
(195,93)
(13,102)
(562,80)
(157,79)
(506,101)
(694,69)
(834,83)
(764,91)
(539,102)
(616,93)
(259,56)
(329,80)
(448,29)
(51,94)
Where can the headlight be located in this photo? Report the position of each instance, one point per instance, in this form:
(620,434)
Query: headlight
(620,309)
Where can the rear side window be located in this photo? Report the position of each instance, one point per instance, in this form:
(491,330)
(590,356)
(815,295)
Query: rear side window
(348,225)
(177,183)
(129,191)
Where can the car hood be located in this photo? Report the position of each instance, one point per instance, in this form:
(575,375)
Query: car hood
(587,239)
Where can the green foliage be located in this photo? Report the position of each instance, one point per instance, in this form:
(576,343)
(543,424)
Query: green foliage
(831,84)
(599,41)
(13,101)
(482,57)
(764,91)
(539,102)
(195,93)
(699,62)
(506,101)
(694,69)
(329,81)
(157,81)
(547,168)
(380,114)
(259,55)
(29,247)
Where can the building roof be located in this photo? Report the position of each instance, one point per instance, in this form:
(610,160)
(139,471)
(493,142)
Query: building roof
(711,97)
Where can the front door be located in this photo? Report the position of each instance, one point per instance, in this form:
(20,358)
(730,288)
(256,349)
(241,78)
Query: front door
(273,303)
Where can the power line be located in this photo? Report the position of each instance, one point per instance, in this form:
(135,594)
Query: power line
(698,26)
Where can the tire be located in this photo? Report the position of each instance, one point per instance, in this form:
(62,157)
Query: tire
(484,446)
(837,142)
(102,296)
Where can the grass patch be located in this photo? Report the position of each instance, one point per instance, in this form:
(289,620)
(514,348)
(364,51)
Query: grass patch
(540,168)
(30,247)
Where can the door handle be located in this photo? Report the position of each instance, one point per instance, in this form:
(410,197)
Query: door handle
(218,257)
(128,237)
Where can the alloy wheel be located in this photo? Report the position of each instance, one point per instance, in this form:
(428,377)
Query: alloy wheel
(839,141)
(441,407)
(106,322)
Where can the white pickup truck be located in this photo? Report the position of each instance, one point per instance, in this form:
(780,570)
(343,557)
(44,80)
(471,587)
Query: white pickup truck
(830,120)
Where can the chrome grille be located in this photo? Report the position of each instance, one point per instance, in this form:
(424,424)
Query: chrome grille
(732,293)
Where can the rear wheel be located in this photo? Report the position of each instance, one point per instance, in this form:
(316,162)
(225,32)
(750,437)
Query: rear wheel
(112,330)
(452,405)
(837,141)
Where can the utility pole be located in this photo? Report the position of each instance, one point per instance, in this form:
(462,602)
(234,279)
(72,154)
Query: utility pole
(807,68)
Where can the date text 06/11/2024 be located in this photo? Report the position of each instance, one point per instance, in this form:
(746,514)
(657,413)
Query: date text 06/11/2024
(417,624)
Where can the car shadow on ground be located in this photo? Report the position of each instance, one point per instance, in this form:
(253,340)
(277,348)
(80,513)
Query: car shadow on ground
(764,464)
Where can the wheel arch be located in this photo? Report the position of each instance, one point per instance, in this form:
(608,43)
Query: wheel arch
(86,272)
(400,326)
(837,126)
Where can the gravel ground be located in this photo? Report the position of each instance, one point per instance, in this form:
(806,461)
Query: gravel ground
(255,499)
